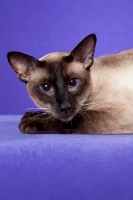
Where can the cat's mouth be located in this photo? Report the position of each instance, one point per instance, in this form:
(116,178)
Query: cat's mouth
(66,117)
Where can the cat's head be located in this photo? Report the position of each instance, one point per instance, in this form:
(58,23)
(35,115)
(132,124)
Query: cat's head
(58,82)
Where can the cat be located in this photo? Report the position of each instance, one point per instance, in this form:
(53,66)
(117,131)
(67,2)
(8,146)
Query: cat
(77,93)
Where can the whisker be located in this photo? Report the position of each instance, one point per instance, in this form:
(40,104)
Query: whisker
(38,112)
(36,109)
(49,120)
(35,117)
(82,113)
(32,109)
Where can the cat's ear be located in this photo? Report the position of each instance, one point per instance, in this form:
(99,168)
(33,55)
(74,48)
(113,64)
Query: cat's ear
(22,64)
(84,51)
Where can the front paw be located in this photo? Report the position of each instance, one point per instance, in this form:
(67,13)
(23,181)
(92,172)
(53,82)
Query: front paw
(32,122)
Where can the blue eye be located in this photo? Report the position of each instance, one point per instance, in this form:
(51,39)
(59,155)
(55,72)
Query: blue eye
(73,82)
(46,88)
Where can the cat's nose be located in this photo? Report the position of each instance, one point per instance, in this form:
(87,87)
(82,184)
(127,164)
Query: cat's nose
(65,108)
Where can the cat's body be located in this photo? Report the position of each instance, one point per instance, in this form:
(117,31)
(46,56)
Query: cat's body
(76,96)
(112,93)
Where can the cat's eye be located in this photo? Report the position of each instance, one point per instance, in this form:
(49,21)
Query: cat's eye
(73,83)
(46,88)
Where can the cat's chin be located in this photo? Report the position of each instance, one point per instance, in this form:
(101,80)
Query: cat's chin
(65,119)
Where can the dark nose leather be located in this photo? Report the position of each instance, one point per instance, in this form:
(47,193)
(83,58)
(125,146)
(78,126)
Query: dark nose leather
(65,108)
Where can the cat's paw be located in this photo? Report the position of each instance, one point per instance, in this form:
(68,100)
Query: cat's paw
(32,122)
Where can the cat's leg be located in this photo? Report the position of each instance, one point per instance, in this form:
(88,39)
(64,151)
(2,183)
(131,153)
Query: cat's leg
(39,122)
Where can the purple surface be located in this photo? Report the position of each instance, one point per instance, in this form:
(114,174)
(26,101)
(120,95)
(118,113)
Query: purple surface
(64,167)
(39,27)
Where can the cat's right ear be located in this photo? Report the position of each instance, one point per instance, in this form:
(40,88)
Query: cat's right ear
(22,64)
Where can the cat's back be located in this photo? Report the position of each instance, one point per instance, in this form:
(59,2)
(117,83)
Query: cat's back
(115,70)
(117,60)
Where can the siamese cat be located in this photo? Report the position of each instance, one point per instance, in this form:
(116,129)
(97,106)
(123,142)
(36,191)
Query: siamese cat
(77,93)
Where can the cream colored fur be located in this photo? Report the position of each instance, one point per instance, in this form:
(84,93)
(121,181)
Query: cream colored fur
(112,91)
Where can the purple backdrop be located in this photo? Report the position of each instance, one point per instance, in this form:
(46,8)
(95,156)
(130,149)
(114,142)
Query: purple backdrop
(39,27)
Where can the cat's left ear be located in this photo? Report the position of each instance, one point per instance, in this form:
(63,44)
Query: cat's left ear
(84,51)
(22,64)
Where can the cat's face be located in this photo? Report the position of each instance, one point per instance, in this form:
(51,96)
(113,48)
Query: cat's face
(60,86)
(60,82)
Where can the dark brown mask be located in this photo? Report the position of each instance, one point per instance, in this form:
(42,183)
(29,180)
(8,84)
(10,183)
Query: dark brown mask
(59,83)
